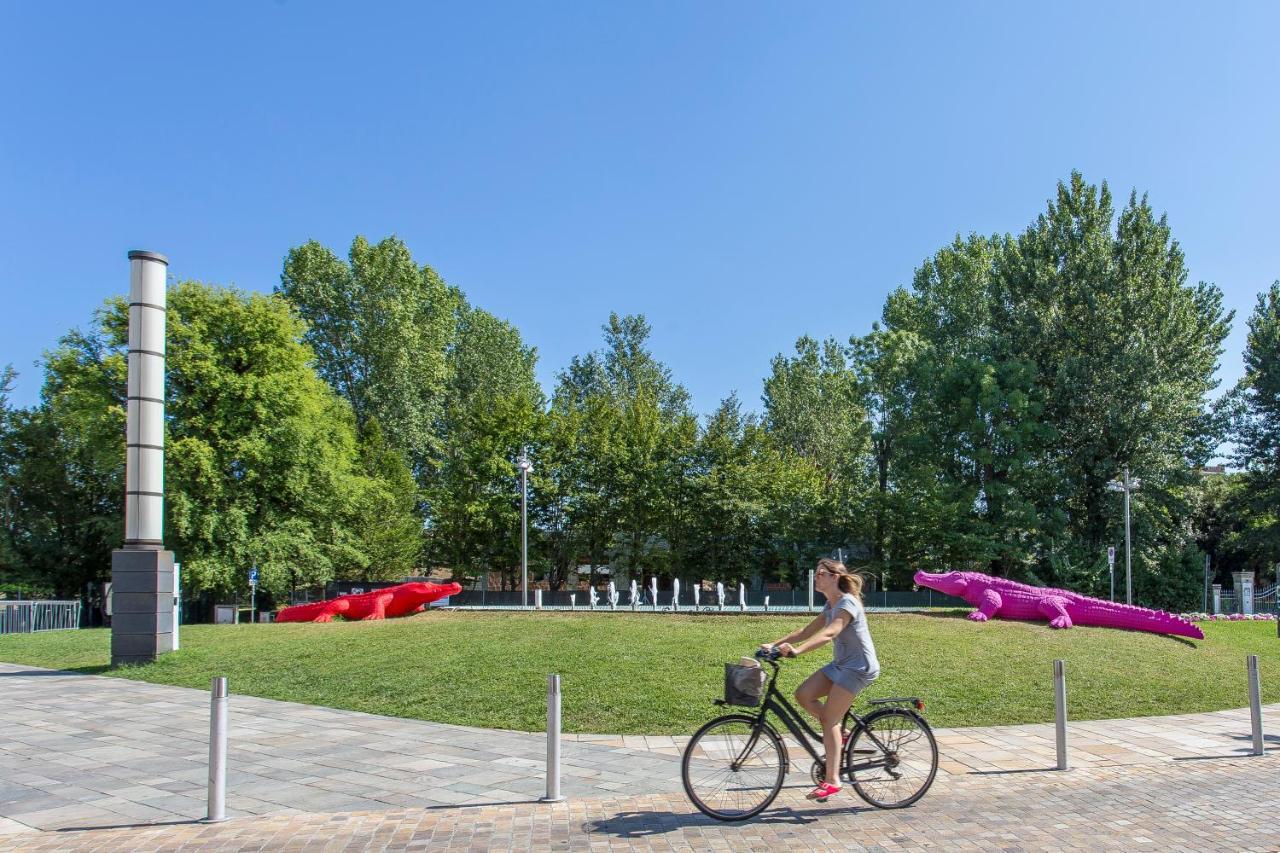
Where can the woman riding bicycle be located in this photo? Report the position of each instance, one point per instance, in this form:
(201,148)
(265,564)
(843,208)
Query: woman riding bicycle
(852,668)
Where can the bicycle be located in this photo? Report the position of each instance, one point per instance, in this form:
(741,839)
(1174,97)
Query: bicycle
(735,765)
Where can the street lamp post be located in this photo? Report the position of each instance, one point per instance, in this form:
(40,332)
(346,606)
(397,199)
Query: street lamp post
(1127,485)
(525,467)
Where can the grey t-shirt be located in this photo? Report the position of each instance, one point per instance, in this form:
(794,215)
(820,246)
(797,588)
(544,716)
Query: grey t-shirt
(853,650)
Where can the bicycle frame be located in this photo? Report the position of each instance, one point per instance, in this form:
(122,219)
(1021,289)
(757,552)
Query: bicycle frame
(774,701)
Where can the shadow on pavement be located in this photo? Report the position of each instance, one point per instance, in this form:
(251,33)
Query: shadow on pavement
(28,673)
(1265,737)
(652,823)
(141,825)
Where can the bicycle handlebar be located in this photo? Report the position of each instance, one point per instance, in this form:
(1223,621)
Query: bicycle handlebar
(772,655)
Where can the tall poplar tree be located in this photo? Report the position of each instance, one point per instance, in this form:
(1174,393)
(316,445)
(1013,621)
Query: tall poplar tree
(1257,436)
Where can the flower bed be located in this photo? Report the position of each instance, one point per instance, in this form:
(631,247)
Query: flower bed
(1229,617)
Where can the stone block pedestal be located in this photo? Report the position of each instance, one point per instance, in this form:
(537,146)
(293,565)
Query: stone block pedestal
(141,606)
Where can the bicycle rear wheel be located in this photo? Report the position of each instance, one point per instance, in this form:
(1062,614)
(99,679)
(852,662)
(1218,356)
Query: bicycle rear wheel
(901,744)
(733,767)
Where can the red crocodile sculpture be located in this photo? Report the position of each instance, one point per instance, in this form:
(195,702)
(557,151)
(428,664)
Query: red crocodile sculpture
(402,600)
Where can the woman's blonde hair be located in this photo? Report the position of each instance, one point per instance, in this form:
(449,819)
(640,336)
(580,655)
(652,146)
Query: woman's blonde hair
(849,581)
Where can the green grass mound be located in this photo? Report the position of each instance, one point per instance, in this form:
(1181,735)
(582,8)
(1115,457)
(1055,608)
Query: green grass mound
(657,674)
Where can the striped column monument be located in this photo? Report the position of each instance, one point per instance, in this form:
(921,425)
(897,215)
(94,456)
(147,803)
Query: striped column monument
(142,571)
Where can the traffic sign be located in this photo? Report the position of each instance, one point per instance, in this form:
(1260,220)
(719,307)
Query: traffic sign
(1111,555)
(253,576)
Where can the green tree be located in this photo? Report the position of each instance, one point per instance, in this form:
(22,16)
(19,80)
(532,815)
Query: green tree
(974,420)
(1018,375)
(580,506)
(8,470)
(386,509)
(655,430)
(381,327)
(814,411)
(753,503)
(1219,518)
(1125,351)
(1256,430)
(631,432)
(66,477)
(493,408)
(262,464)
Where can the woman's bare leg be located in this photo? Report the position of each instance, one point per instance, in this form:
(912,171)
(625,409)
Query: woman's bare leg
(833,710)
(810,693)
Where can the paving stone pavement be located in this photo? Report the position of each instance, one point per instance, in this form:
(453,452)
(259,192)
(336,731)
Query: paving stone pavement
(81,751)
(1094,743)
(1217,804)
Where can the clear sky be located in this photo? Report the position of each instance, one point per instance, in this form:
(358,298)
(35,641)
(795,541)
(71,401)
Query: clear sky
(740,173)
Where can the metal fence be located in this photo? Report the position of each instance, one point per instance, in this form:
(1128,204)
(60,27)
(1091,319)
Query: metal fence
(755,599)
(27,617)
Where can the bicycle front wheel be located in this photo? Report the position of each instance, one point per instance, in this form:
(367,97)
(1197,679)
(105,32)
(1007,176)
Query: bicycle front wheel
(892,759)
(733,767)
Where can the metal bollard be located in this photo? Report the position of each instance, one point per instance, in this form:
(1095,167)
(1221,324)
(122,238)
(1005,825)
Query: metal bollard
(553,740)
(1060,710)
(1255,703)
(217,810)
(537,599)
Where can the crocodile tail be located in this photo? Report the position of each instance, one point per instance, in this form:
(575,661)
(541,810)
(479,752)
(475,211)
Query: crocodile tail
(1112,615)
(303,612)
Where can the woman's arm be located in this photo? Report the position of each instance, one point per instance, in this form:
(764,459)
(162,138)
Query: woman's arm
(826,635)
(803,633)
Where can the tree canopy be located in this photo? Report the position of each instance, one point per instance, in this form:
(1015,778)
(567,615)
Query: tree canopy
(364,422)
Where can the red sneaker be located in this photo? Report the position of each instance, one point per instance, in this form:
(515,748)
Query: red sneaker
(823,791)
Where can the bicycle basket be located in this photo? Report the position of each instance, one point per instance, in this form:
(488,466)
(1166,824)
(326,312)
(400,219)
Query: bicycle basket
(743,684)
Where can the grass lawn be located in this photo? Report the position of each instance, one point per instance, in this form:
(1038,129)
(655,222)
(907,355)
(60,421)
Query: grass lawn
(655,674)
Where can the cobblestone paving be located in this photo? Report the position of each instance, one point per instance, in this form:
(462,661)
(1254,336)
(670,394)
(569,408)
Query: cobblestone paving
(1095,743)
(81,751)
(1216,804)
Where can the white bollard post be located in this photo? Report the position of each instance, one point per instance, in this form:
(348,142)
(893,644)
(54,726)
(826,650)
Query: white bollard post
(811,589)
(675,595)
(653,588)
(573,600)
(553,740)
(537,599)
(766,604)
(177,602)
(217,804)
(1060,710)
(1255,703)
(742,597)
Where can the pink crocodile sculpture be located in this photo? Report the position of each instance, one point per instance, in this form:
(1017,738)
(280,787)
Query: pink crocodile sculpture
(1013,600)
(400,600)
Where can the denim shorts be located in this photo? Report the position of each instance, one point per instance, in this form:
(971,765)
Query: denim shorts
(853,680)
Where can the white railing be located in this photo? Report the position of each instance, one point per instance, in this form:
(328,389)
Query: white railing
(27,617)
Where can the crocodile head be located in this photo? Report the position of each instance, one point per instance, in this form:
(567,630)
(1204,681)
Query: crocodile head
(951,583)
(427,592)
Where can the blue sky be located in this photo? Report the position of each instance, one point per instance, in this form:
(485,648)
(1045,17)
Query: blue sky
(740,173)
